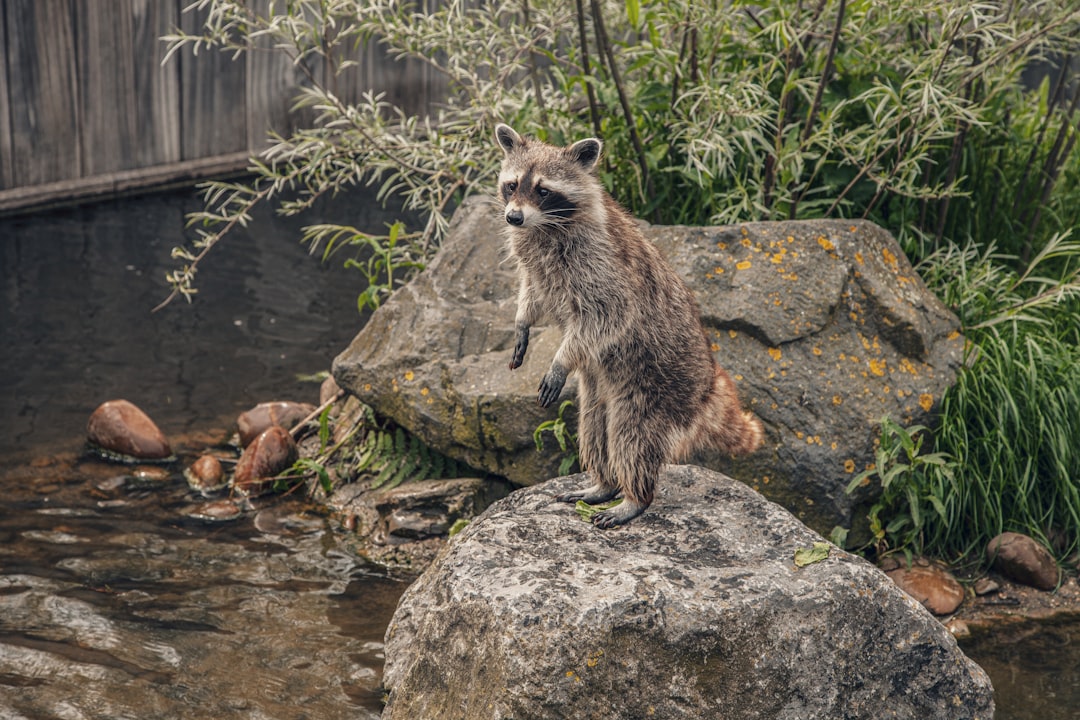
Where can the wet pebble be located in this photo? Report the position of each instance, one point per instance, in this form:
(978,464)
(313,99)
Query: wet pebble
(328,390)
(930,584)
(206,475)
(1022,559)
(263,416)
(124,432)
(273,451)
(217,511)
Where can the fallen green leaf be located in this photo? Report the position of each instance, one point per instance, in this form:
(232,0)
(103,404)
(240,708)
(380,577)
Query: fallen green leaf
(807,556)
(586,511)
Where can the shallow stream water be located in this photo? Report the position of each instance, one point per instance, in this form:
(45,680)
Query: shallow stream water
(114,602)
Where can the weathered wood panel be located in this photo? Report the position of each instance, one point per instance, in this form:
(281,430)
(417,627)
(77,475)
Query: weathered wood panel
(86,106)
(157,87)
(7,166)
(44,108)
(213,87)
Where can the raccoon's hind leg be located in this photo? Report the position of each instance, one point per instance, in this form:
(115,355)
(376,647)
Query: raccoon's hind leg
(636,454)
(592,449)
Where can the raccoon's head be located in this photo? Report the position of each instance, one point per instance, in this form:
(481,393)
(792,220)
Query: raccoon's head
(544,185)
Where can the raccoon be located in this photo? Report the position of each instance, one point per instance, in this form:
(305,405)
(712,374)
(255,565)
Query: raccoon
(649,389)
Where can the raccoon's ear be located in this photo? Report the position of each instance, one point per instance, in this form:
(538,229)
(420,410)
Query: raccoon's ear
(507,138)
(586,152)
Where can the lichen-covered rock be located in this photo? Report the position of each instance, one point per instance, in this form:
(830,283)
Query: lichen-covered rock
(124,432)
(1021,559)
(823,324)
(695,610)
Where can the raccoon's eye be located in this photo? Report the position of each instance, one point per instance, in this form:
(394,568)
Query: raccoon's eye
(542,192)
(511,186)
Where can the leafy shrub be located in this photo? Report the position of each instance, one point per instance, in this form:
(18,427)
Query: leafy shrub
(917,115)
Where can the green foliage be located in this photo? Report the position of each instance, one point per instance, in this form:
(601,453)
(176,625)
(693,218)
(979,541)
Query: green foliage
(392,456)
(910,489)
(910,114)
(567,440)
(586,511)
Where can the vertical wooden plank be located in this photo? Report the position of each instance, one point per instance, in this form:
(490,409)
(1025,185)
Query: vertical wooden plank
(7,166)
(157,87)
(42,80)
(213,119)
(272,83)
(106,88)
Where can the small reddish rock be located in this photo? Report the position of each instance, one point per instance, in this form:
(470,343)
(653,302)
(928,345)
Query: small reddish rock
(932,585)
(265,415)
(205,474)
(328,390)
(273,451)
(1023,560)
(119,428)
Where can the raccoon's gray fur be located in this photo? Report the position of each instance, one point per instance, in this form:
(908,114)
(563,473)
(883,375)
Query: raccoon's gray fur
(650,390)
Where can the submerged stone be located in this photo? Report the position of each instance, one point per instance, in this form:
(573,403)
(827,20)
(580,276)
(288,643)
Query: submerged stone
(265,415)
(125,433)
(206,474)
(696,609)
(272,452)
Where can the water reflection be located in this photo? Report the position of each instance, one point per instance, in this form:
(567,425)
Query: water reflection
(119,607)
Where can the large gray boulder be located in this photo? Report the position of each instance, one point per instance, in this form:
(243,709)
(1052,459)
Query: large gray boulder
(697,609)
(823,324)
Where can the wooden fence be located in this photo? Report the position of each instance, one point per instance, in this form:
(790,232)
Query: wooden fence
(87,108)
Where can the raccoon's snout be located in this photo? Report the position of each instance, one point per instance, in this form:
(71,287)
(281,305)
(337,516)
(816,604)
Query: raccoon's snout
(515,217)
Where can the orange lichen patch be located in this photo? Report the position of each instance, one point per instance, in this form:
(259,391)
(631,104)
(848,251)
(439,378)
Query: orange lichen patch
(836,400)
(791,276)
(858,258)
(594,658)
(926,401)
(906,366)
(852,228)
(714,347)
(777,258)
(742,265)
(733,333)
(744,231)
(889,257)
(409,375)
(367,387)
(953,335)
(799,434)
(424,391)
(745,242)
(849,466)
(816,350)
(721,246)
(825,243)
(791,238)
(765,480)
(877,366)
(774,353)
(832,445)
(718,270)
(738,377)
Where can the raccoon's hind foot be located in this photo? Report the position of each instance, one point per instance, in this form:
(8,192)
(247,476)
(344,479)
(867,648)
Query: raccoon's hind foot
(621,514)
(593,495)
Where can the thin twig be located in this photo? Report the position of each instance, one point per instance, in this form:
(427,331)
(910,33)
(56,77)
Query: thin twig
(594,111)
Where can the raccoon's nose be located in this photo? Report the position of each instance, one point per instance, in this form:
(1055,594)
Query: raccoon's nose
(515,217)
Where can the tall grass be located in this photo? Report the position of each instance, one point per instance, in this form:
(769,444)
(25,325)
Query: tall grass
(919,115)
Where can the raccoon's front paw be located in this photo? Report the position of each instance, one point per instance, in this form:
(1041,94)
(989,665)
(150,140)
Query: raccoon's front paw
(520,346)
(551,386)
